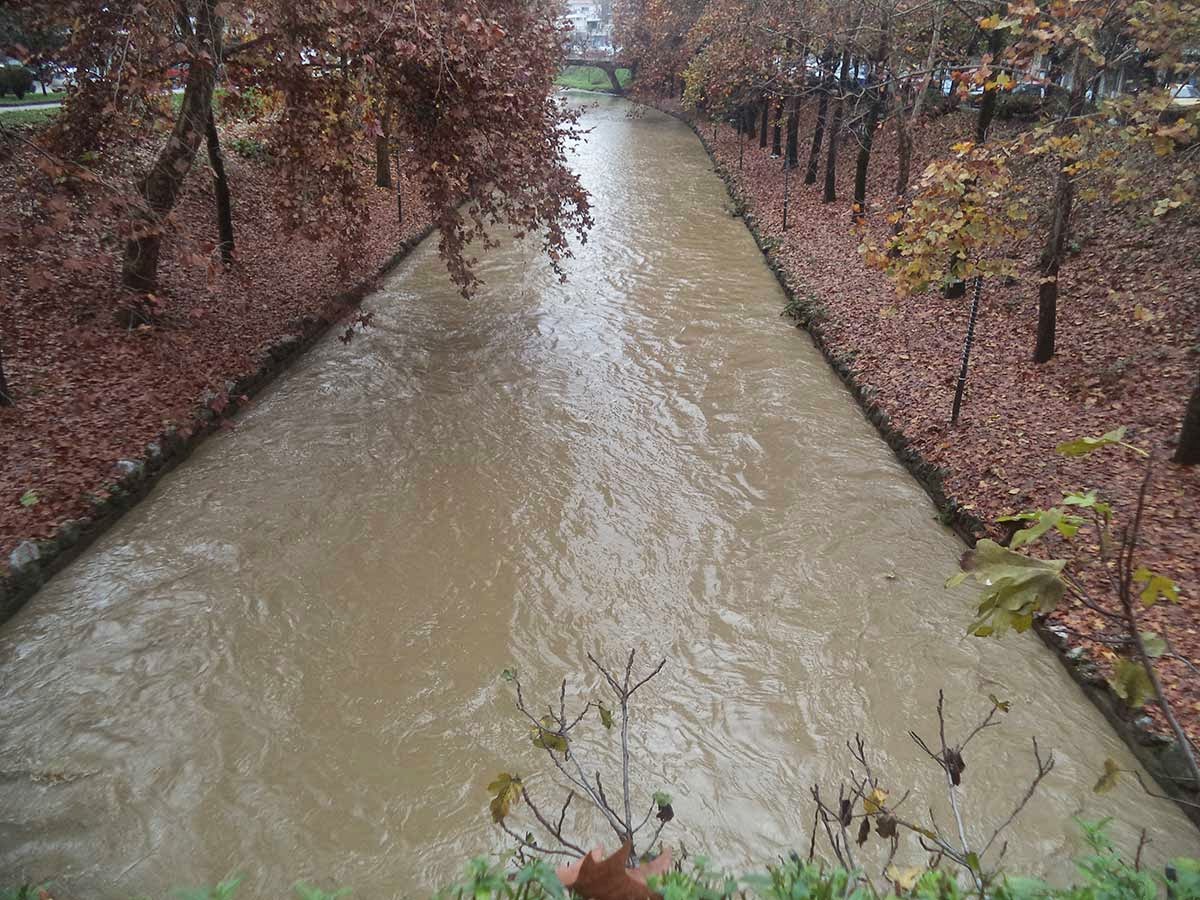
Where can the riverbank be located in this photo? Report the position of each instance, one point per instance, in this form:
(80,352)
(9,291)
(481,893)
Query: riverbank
(589,78)
(900,358)
(101,410)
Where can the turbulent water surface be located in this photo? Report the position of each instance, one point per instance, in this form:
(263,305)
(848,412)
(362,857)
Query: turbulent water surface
(285,662)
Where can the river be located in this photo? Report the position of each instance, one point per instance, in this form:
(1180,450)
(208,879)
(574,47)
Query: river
(286,661)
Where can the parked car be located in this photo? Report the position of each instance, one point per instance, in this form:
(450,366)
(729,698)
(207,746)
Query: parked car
(1184,96)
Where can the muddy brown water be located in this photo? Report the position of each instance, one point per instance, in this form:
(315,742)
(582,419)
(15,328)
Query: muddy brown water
(285,662)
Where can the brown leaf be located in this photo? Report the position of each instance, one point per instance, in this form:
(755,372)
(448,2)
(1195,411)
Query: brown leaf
(595,877)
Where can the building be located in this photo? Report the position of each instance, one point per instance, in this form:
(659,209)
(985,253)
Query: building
(591,26)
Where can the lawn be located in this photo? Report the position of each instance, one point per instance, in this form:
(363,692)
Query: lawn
(589,78)
(28,116)
(33,97)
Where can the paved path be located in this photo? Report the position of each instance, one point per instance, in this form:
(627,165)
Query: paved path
(54,104)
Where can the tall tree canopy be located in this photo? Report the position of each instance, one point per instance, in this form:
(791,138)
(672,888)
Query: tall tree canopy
(467,85)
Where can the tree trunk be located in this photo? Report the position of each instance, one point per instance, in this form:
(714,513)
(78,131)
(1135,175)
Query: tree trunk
(877,87)
(934,44)
(777,133)
(987,106)
(220,189)
(904,151)
(1186,454)
(161,187)
(814,153)
(399,193)
(766,118)
(960,387)
(793,133)
(383,161)
(5,397)
(839,110)
(1060,227)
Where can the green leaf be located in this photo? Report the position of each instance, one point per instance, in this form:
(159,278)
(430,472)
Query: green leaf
(1088,501)
(1155,646)
(1044,519)
(29,498)
(1186,879)
(1019,517)
(1002,705)
(1014,587)
(538,872)
(505,791)
(1108,781)
(606,716)
(509,675)
(661,799)
(1155,586)
(547,736)
(1085,445)
(1131,683)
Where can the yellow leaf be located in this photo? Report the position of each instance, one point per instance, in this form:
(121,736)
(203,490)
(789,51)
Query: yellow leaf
(905,879)
(875,801)
(1108,780)
(507,791)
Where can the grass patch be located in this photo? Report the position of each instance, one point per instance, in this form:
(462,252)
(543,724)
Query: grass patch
(589,78)
(22,117)
(32,97)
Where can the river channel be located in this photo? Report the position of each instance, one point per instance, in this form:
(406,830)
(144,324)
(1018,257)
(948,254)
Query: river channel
(286,661)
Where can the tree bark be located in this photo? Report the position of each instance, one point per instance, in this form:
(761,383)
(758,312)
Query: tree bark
(987,106)
(1060,227)
(220,189)
(777,134)
(766,118)
(1186,454)
(839,110)
(5,397)
(793,133)
(161,186)
(904,151)
(877,87)
(814,153)
(399,193)
(934,44)
(383,161)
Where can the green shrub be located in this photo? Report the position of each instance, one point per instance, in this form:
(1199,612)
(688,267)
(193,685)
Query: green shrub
(16,80)
(249,148)
(1022,107)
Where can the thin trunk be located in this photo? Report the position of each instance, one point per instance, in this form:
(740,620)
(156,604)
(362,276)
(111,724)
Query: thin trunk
(934,44)
(793,133)
(1056,240)
(961,387)
(814,153)
(987,106)
(766,119)
(877,88)
(777,134)
(839,110)
(220,189)
(399,194)
(904,152)
(5,397)
(383,162)
(161,187)
(1186,454)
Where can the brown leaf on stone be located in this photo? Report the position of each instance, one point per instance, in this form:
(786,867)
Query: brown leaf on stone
(595,877)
